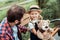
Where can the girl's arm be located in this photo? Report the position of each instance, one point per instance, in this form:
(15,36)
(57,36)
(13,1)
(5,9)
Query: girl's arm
(32,28)
(34,31)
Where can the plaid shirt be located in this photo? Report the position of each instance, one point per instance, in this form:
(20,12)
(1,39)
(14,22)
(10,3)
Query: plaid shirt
(6,33)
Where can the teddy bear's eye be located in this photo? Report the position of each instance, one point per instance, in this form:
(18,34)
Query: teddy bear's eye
(43,25)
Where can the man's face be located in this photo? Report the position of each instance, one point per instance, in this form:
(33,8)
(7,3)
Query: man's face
(34,15)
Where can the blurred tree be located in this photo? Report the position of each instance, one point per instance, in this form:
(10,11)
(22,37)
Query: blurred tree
(42,3)
(50,8)
(58,12)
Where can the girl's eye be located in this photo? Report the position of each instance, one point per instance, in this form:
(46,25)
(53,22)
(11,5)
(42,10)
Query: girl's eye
(32,14)
(35,13)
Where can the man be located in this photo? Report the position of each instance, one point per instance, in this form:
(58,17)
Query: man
(11,30)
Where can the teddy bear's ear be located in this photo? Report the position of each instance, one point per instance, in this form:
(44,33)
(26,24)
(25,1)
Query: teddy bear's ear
(48,21)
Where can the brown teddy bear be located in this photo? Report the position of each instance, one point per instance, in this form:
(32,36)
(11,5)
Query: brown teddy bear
(44,31)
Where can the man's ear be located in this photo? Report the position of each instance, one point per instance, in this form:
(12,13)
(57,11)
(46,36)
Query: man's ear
(16,21)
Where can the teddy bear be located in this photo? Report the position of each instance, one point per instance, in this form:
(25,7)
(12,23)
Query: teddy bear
(44,31)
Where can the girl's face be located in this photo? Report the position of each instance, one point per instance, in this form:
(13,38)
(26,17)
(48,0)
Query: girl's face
(34,15)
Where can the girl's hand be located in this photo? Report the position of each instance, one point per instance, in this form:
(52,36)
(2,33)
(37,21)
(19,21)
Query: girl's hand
(45,33)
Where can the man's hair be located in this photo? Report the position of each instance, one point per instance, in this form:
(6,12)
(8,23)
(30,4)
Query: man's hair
(15,13)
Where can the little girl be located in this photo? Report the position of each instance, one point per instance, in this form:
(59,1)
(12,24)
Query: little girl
(34,19)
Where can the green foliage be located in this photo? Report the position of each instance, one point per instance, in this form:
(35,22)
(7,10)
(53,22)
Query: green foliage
(25,36)
(2,14)
(10,2)
(52,25)
(27,5)
(47,14)
(50,11)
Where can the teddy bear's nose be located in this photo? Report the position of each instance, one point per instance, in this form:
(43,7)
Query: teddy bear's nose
(46,27)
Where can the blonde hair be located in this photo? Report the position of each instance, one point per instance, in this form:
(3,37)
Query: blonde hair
(40,17)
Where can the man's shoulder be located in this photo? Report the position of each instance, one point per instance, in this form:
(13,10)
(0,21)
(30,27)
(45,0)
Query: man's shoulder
(1,26)
(4,20)
(2,29)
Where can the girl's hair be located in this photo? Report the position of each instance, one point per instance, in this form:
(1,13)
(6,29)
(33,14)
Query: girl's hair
(35,8)
(40,17)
